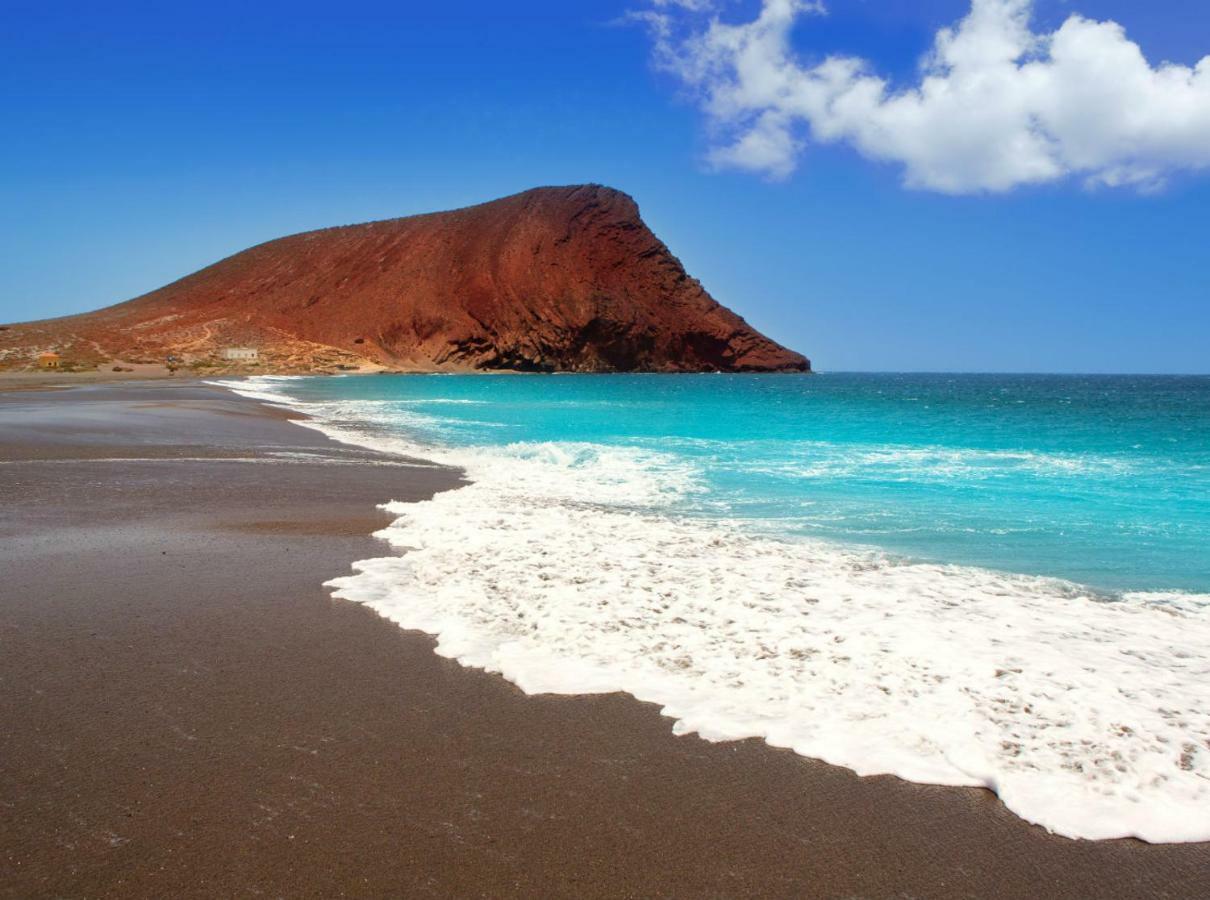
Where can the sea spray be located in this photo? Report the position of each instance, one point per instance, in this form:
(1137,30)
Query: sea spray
(579,567)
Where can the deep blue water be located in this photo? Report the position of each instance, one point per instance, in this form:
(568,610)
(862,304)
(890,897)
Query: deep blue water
(1104,480)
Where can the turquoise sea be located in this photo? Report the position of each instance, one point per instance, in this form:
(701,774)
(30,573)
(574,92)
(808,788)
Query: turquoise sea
(1100,479)
(970,579)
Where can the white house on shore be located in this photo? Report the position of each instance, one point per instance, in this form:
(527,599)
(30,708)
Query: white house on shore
(240,354)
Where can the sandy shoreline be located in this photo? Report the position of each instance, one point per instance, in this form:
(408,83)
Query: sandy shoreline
(188,713)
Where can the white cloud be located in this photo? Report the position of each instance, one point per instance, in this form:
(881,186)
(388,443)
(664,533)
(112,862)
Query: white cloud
(996,105)
(695,5)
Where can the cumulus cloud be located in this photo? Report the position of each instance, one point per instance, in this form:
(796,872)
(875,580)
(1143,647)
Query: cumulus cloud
(996,105)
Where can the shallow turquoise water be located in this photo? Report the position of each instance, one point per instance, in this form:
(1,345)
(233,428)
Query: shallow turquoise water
(979,580)
(1104,480)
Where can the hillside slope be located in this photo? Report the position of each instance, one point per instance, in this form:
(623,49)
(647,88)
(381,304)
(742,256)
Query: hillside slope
(553,279)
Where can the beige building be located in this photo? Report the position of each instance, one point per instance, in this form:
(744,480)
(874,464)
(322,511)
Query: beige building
(240,354)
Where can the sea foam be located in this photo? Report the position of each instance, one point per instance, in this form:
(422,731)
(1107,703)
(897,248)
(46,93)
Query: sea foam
(563,568)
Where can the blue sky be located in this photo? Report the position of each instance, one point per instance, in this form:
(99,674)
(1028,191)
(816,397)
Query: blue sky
(142,141)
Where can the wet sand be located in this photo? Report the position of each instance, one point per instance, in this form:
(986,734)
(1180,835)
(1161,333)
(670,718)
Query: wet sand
(187,713)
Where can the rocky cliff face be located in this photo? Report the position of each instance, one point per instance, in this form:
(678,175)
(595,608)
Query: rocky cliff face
(554,279)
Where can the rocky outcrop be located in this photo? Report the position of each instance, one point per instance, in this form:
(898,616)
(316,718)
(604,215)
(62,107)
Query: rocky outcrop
(553,279)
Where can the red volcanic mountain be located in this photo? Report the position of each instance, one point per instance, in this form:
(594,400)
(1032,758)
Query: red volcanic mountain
(554,279)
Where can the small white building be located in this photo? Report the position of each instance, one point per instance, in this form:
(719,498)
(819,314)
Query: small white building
(240,354)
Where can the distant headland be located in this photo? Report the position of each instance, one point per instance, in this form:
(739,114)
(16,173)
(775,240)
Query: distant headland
(556,279)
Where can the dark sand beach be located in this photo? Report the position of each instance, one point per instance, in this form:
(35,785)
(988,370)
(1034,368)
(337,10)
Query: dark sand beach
(186,712)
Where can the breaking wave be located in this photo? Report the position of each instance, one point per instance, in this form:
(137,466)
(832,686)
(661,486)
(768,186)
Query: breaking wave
(574,568)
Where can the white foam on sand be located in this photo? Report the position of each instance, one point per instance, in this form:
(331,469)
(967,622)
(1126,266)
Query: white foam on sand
(562,568)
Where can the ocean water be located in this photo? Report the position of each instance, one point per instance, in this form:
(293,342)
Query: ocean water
(983,580)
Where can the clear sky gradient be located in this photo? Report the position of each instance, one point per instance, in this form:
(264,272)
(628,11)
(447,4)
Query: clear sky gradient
(142,141)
